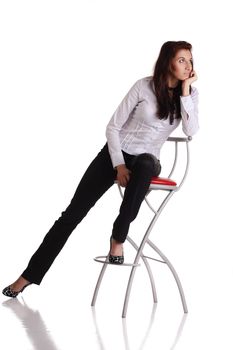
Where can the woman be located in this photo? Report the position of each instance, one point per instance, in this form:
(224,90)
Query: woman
(150,111)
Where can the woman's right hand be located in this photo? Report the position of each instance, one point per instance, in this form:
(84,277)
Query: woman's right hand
(123,175)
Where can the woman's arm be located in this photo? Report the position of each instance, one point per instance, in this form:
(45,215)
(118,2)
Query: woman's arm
(118,119)
(189,106)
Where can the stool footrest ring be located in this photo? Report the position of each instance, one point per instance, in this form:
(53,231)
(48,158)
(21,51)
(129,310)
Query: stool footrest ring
(103,259)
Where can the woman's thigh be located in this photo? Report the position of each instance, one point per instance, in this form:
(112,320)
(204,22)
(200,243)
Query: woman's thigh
(97,179)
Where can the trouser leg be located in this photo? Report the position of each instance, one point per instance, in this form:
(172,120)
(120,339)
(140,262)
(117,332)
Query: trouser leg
(142,167)
(98,178)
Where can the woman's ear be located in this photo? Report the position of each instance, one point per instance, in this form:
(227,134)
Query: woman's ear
(170,68)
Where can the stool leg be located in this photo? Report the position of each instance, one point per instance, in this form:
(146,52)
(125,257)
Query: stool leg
(101,275)
(128,290)
(173,271)
(148,270)
(139,253)
(131,277)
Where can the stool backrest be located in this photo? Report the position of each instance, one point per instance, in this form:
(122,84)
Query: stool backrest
(176,141)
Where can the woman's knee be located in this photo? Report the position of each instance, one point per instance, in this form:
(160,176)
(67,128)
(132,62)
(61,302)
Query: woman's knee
(148,162)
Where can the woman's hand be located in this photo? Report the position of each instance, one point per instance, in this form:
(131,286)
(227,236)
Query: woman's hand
(123,175)
(187,82)
(192,77)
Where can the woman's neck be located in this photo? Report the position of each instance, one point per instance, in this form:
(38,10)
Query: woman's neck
(172,83)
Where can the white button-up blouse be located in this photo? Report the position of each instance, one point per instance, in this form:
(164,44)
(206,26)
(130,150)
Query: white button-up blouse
(135,128)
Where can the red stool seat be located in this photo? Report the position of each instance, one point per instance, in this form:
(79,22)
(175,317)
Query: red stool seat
(162,181)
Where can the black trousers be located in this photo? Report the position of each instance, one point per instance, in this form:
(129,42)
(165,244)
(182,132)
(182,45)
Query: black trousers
(98,178)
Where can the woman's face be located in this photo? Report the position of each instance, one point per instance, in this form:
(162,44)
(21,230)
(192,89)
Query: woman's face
(181,65)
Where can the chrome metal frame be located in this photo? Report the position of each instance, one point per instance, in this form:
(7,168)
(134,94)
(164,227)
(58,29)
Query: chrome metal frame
(171,190)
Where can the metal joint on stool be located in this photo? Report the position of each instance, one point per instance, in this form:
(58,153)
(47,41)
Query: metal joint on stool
(162,184)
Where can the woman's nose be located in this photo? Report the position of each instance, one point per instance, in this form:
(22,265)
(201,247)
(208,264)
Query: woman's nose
(188,65)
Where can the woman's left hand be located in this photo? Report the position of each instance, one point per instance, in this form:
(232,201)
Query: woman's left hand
(192,77)
(187,82)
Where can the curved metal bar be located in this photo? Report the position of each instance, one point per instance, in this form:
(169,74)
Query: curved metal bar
(150,206)
(175,160)
(187,166)
(149,257)
(139,253)
(98,284)
(120,190)
(152,282)
(173,271)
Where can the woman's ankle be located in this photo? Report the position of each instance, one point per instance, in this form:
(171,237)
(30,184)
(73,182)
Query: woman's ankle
(116,248)
(19,283)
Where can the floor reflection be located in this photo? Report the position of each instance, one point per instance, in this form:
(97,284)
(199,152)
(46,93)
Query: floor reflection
(148,330)
(179,331)
(40,337)
(125,332)
(33,324)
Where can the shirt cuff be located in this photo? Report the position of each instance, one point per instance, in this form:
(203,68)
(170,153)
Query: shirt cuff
(117,159)
(187,102)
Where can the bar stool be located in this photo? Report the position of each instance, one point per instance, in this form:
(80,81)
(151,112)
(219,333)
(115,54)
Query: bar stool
(169,187)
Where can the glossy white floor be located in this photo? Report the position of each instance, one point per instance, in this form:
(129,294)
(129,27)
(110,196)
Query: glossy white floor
(47,319)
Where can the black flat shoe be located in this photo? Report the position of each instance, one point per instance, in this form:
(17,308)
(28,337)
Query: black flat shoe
(11,293)
(115,259)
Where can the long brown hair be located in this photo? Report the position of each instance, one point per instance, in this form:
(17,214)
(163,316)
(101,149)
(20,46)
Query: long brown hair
(168,106)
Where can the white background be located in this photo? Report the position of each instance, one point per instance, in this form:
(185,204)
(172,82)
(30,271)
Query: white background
(65,67)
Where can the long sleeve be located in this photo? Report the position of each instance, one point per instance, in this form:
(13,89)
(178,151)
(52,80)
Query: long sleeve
(189,112)
(118,119)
